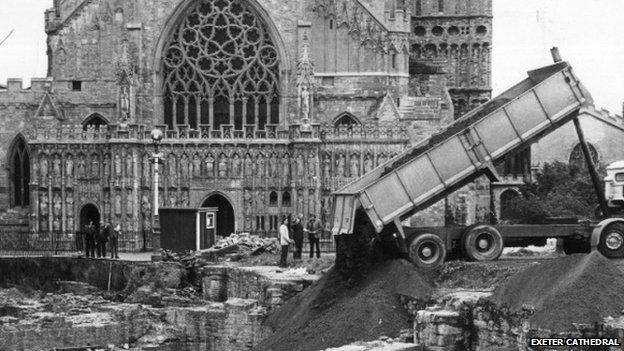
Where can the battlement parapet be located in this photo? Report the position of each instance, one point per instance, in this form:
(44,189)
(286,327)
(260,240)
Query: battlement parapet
(37,85)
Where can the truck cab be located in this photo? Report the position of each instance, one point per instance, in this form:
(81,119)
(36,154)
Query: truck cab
(614,185)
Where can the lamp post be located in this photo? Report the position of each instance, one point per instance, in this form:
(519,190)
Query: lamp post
(157,136)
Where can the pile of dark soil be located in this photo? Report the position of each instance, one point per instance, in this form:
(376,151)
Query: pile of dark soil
(573,289)
(331,314)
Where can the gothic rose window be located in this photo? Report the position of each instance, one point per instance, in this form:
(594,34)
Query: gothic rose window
(577,158)
(221,68)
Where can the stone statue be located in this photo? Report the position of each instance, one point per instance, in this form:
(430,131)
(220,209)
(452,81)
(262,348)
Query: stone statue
(146,170)
(368,163)
(124,103)
(173,200)
(354,166)
(58,207)
(196,166)
(209,166)
(248,201)
(184,168)
(43,167)
(70,224)
(185,199)
(381,159)
(285,166)
(106,162)
(107,205)
(312,164)
(95,167)
(327,167)
(236,166)
(146,206)
(69,204)
(260,170)
(43,204)
(305,103)
(223,166)
(117,166)
(340,166)
(56,167)
(118,204)
(69,167)
(129,173)
(300,199)
(172,173)
(300,166)
(273,166)
(129,204)
(311,202)
(260,203)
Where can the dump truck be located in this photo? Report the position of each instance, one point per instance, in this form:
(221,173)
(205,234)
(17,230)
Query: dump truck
(373,207)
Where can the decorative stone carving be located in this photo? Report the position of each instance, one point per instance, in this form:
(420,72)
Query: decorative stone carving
(56,167)
(43,167)
(69,167)
(117,206)
(260,166)
(118,170)
(340,166)
(285,166)
(196,166)
(129,168)
(184,169)
(368,163)
(129,204)
(172,173)
(354,166)
(300,202)
(311,202)
(69,204)
(327,167)
(300,166)
(236,166)
(223,171)
(209,166)
(173,200)
(58,206)
(273,166)
(312,164)
(95,166)
(147,174)
(248,201)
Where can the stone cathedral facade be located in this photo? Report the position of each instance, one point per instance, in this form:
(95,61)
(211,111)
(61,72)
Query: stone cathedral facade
(267,107)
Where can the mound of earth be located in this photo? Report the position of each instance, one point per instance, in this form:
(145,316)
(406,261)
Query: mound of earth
(573,289)
(332,314)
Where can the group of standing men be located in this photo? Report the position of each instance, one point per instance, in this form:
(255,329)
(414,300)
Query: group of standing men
(292,232)
(95,240)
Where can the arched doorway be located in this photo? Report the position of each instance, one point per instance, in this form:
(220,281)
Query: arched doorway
(225,216)
(89,213)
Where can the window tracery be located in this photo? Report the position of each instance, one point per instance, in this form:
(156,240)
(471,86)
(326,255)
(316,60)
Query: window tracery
(221,68)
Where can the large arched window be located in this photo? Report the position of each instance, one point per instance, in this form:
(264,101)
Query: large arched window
(221,68)
(19,173)
(577,159)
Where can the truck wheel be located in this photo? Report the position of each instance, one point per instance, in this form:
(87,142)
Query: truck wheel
(427,251)
(482,243)
(612,241)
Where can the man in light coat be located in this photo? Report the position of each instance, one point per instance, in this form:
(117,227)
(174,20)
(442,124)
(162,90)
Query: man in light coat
(284,242)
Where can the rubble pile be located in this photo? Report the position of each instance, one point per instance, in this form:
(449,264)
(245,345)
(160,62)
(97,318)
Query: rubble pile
(582,289)
(246,244)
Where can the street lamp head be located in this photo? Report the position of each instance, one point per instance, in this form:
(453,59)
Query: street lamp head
(157,135)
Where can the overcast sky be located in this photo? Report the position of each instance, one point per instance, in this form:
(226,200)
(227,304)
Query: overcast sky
(589,34)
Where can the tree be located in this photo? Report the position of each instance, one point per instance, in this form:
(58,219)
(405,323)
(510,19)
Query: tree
(560,190)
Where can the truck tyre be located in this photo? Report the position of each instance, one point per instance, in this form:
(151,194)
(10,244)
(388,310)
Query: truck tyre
(612,241)
(427,251)
(482,243)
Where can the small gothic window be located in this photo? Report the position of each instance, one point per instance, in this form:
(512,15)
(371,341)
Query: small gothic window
(76,85)
(437,31)
(481,30)
(577,159)
(331,24)
(20,173)
(394,60)
(94,120)
(221,67)
(286,199)
(418,7)
(441,5)
(453,30)
(273,198)
(420,31)
(346,120)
